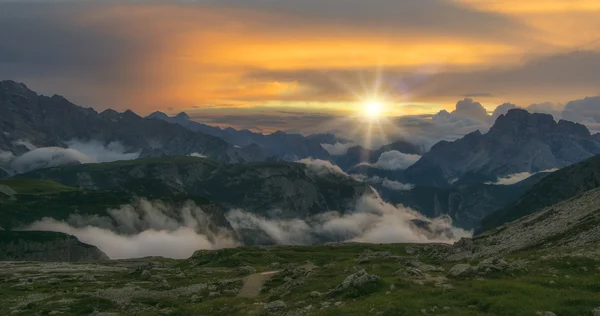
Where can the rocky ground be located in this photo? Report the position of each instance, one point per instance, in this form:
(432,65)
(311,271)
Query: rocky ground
(335,279)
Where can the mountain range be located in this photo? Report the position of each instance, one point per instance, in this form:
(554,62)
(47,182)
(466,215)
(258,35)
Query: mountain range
(286,146)
(517,142)
(29,121)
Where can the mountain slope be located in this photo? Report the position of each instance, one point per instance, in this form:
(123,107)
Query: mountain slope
(467,205)
(286,146)
(572,224)
(256,187)
(518,142)
(561,185)
(26,117)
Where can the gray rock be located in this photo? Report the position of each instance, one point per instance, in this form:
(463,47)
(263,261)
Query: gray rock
(596,311)
(246,270)
(276,305)
(214,294)
(164,284)
(146,275)
(549,314)
(460,270)
(315,294)
(357,280)
(87,278)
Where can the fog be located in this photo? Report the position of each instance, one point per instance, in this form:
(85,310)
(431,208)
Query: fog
(78,152)
(371,220)
(394,160)
(321,167)
(147,228)
(517,177)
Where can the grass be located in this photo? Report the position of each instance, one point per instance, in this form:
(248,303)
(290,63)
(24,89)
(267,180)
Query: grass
(36,186)
(564,285)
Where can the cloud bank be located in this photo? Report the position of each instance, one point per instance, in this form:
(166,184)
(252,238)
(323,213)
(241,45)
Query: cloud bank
(338,148)
(371,221)
(78,152)
(394,160)
(321,167)
(385,182)
(144,229)
(517,177)
(147,228)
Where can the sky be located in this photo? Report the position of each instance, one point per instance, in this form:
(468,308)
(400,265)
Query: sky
(270,64)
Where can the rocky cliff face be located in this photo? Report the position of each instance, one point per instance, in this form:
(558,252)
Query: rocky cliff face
(50,121)
(467,205)
(46,246)
(518,142)
(256,187)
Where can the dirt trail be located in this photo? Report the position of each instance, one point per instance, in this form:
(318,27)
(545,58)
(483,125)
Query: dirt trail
(254,282)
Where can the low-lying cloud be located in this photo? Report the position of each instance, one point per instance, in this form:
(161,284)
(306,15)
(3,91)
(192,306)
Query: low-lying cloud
(516,177)
(370,221)
(385,182)
(78,152)
(338,148)
(145,229)
(394,160)
(321,167)
(198,155)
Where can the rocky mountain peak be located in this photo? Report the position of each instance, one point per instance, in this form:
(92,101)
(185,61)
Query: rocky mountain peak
(519,122)
(158,115)
(574,129)
(129,114)
(182,116)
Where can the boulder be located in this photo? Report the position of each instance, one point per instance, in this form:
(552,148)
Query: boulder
(460,270)
(276,305)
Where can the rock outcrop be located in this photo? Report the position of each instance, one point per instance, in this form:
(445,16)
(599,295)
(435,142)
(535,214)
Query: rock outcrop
(46,246)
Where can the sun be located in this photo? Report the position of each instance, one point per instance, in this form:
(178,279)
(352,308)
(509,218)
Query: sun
(373,108)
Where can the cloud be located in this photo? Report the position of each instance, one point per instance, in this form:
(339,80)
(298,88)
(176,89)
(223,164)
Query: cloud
(200,155)
(554,109)
(397,186)
(371,221)
(144,229)
(516,177)
(147,228)
(321,167)
(470,109)
(79,152)
(100,153)
(47,157)
(477,95)
(25,144)
(501,110)
(395,160)
(385,182)
(582,111)
(338,148)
